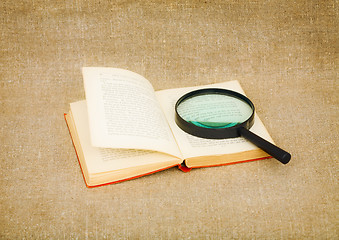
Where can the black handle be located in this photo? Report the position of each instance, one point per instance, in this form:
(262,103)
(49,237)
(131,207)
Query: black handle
(276,152)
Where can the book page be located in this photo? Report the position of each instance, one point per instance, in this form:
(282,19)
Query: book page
(100,160)
(124,113)
(192,146)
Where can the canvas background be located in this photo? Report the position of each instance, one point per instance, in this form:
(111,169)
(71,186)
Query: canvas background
(284,53)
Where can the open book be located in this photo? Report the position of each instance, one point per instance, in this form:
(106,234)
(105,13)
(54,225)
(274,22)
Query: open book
(124,129)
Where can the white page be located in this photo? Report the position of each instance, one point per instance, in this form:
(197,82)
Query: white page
(124,113)
(99,160)
(192,146)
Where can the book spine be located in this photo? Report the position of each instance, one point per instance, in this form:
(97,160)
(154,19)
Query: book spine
(184,168)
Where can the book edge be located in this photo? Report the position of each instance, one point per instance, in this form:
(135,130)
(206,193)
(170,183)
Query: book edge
(131,178)
(76,152)
(231,163)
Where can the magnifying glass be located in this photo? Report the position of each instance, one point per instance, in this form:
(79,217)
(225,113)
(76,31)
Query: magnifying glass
(216,113)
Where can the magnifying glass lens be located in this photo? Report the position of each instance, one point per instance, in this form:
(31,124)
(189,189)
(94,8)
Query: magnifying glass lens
(219,113)
(214,111)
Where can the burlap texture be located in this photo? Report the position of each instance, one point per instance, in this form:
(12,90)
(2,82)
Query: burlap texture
(284,53)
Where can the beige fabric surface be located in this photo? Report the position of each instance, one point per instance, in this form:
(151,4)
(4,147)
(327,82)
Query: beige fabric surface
(284,53)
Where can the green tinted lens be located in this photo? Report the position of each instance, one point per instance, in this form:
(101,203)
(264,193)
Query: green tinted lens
(214,110)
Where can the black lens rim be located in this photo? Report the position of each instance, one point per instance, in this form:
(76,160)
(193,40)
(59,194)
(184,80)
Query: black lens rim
(219,133)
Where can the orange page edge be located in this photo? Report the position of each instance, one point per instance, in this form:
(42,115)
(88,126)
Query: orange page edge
(231,163)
